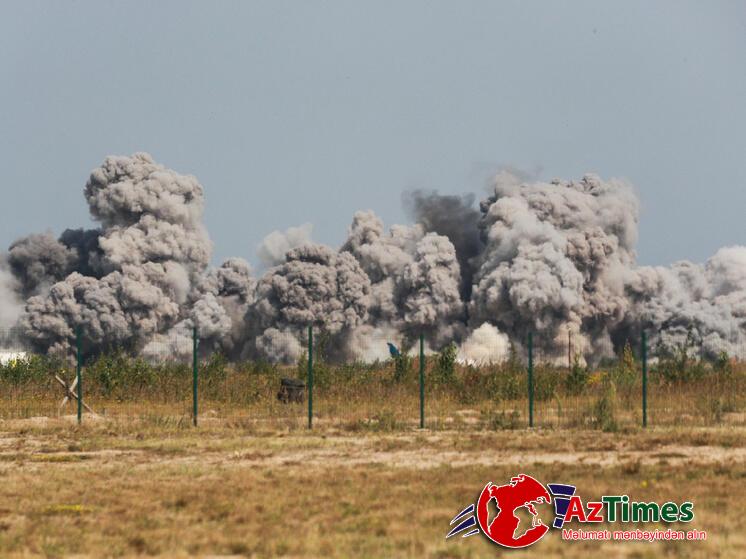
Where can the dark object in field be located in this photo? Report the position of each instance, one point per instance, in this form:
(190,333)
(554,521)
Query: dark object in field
(393,350)
(291,390)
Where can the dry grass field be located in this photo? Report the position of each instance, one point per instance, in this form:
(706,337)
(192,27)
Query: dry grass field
(137,479)
(241,489)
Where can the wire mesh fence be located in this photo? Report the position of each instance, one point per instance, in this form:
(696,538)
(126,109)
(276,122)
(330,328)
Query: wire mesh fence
(581,386)
(383,382)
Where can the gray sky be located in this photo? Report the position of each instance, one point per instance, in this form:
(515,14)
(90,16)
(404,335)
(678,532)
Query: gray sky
(291,112)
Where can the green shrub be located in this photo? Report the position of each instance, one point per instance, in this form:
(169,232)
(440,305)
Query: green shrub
(513,384)
(214,369)
(625,373)
(677,364)
(722,364)
(604,411)
(120,376)
(546,381)
(578,377)
(402,366)
(31,368)
(514,364)
(471,387)
(445,366)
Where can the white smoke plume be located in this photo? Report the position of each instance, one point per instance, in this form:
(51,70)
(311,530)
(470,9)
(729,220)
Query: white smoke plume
(11,305)
(485,345)
(274,247)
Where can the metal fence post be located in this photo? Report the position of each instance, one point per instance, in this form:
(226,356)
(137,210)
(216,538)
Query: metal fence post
(310,376)
(79,370)
(422,381)
(644,379)
(530,379)
(195,344)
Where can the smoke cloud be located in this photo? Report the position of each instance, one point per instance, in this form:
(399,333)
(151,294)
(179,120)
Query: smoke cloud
(555,254)
(274,246)
(315,286)
(11,306)
(140,266)
(484,346)
(453,217)
(534,256)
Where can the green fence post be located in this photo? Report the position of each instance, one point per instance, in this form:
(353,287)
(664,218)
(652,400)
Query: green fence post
(195,344)
(644,379)
(422,381)
(79,370)
(310,376)
(530,379)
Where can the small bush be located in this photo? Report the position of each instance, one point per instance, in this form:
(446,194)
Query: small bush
(722,364)
(31,368)
(604,412)
(578,377)
(514,364)
(445,366)
(215,367)
(677,364)
(472,386)
(546,381)
(625,373)
(402,366)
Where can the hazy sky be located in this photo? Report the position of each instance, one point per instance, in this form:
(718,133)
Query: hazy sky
(290,112)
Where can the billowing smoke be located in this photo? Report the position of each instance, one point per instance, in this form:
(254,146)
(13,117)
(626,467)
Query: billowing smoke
(127,282)
(455,218)
(274,246)
(484,346)
(40,260)
(11,305)
(561,255)
(706,303)
(540,257)
(414,275)
(315,286)
(555,256)
(216,307)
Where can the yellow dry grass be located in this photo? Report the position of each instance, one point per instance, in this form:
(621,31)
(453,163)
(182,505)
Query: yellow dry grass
(245,489)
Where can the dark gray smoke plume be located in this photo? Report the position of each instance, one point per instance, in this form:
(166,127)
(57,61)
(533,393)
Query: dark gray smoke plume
(561,255)
(40,260)
(220,304)
(454,217)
